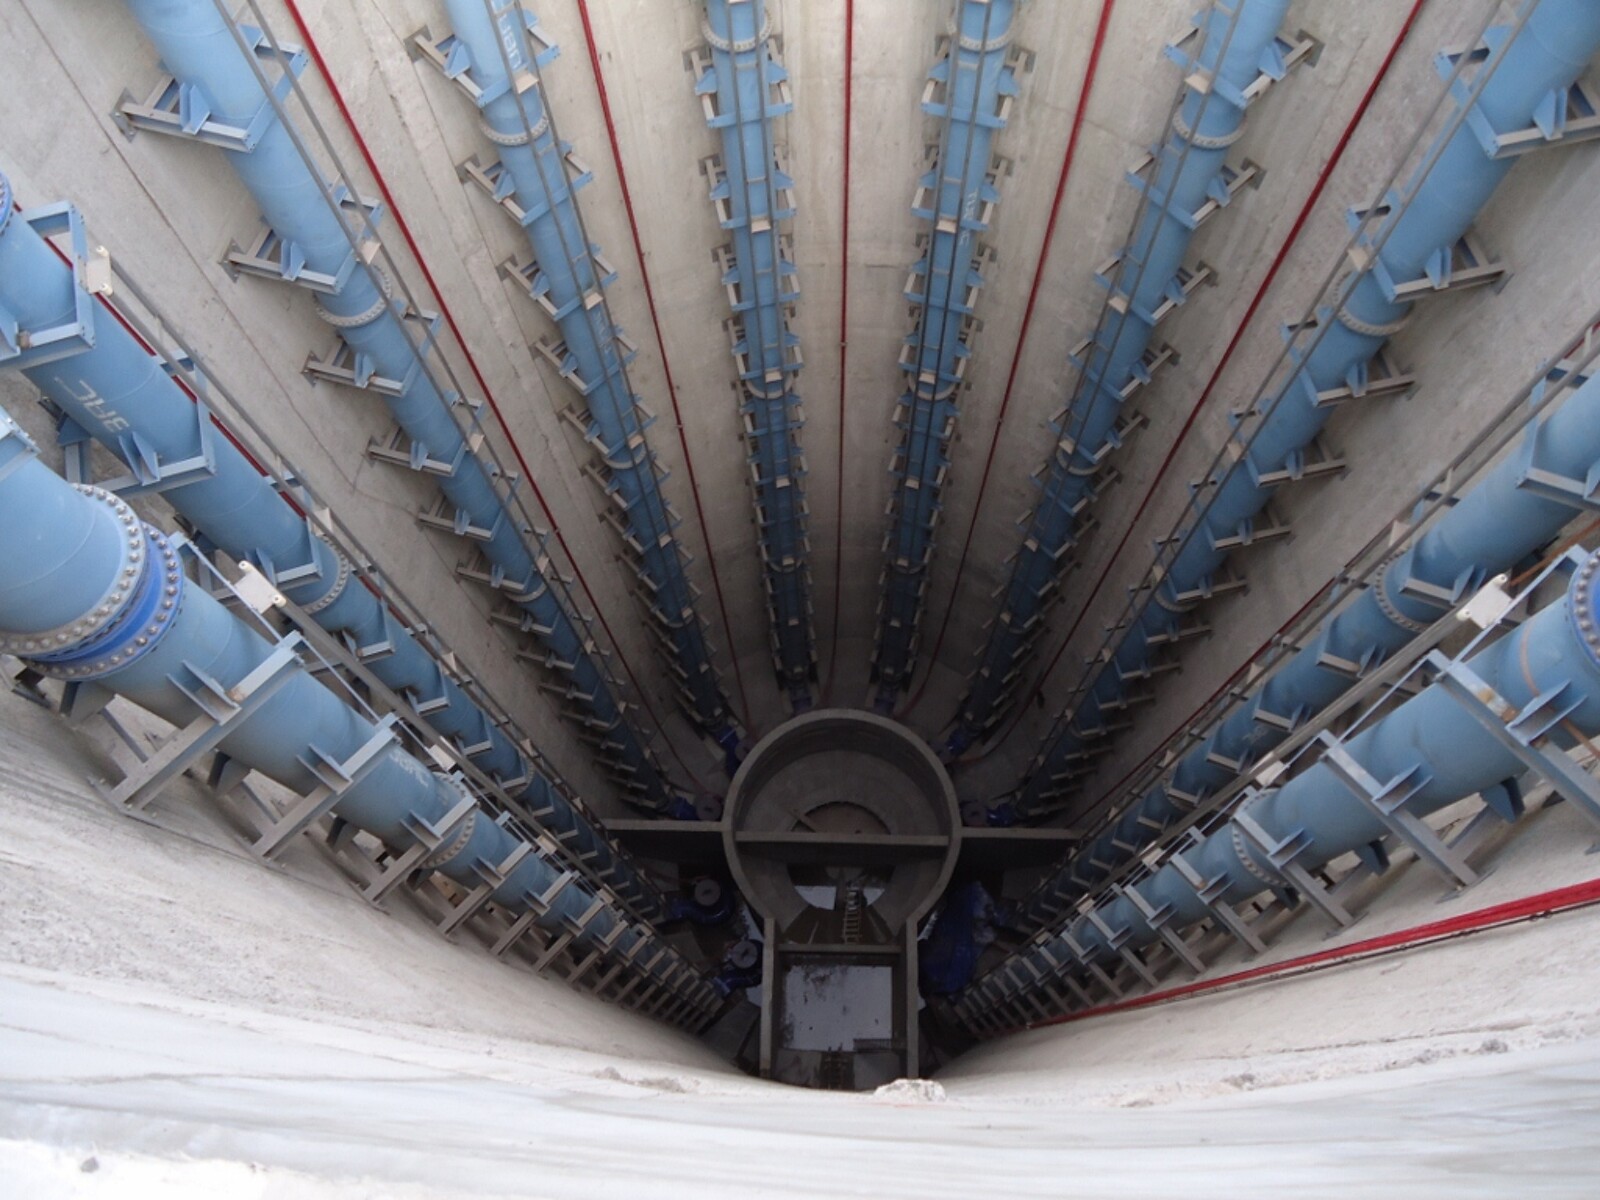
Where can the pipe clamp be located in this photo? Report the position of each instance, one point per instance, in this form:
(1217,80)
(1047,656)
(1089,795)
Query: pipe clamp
(979,45)
(729,46)
(340,580)
(376,310)
(521,138)
(1366,328)
(1220,141)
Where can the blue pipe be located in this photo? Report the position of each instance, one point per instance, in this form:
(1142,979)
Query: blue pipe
(1549,54)
(116,392)
(1494,526)
(493,34)
(976,82)
(89,593)
(744,70)
(1557,649)
(1237,46)
(197,47)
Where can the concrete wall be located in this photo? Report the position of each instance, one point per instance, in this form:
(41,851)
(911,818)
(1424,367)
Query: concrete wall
(167,210)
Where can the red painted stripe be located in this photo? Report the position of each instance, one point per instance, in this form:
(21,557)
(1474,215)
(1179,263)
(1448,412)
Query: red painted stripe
(844,342)
(661,346)
(472,363)
(1227,355)
(1541,904)
(1089,71)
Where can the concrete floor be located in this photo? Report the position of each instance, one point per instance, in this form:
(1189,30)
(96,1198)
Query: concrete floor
(272,1107)
(201,1024)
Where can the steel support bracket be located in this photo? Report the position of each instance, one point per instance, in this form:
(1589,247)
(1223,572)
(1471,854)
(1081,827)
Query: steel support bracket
(222,712)
(1522,732)
(1387,801)
(23,348)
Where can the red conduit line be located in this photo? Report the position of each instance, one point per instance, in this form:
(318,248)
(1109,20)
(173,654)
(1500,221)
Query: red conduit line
(1089,71)
(844,344)
(1227,354)
(661,345)
(472,363)
(1540,904)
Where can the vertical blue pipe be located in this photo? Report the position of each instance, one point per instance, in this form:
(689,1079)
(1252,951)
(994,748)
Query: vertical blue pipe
(1493,527)
(1237,45)
(744,71)
(976,81)
(197,47)
(89,593)
(1431,740)
(494,34)
(1539,64)
(120,395)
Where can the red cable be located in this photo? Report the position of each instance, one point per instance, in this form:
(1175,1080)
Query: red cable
(1541,904)
(1089,71)
(844,343)
(666,367)
(472,363)
(1227,355)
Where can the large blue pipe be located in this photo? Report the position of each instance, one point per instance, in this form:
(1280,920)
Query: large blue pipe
(744,73)
(1493,527)
(1543,60)
(1237,45)
(197,47)
(115,391)
(89,593)
(976,82)
(1431,741)
(494,36)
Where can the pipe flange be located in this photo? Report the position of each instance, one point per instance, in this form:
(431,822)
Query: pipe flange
(731,47)
(1584,608)
(83,629)
(448,850)
(521,138)
(372,313)
(1220,141)
(539,587)
(1174,605)
(978,45)
(148,616)
(1386,606)
(8,203)
(341,580)
(1245,852)
(1366,328)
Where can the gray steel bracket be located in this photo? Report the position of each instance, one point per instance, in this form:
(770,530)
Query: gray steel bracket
(429,837)
(22,348)
(222,712)
(336,778)
(1387,801)
(1282,853)
(1089,965)
(1522,732)
(491,876)
(1160,919)
(1533,476)
(183,110)
(1209,892)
